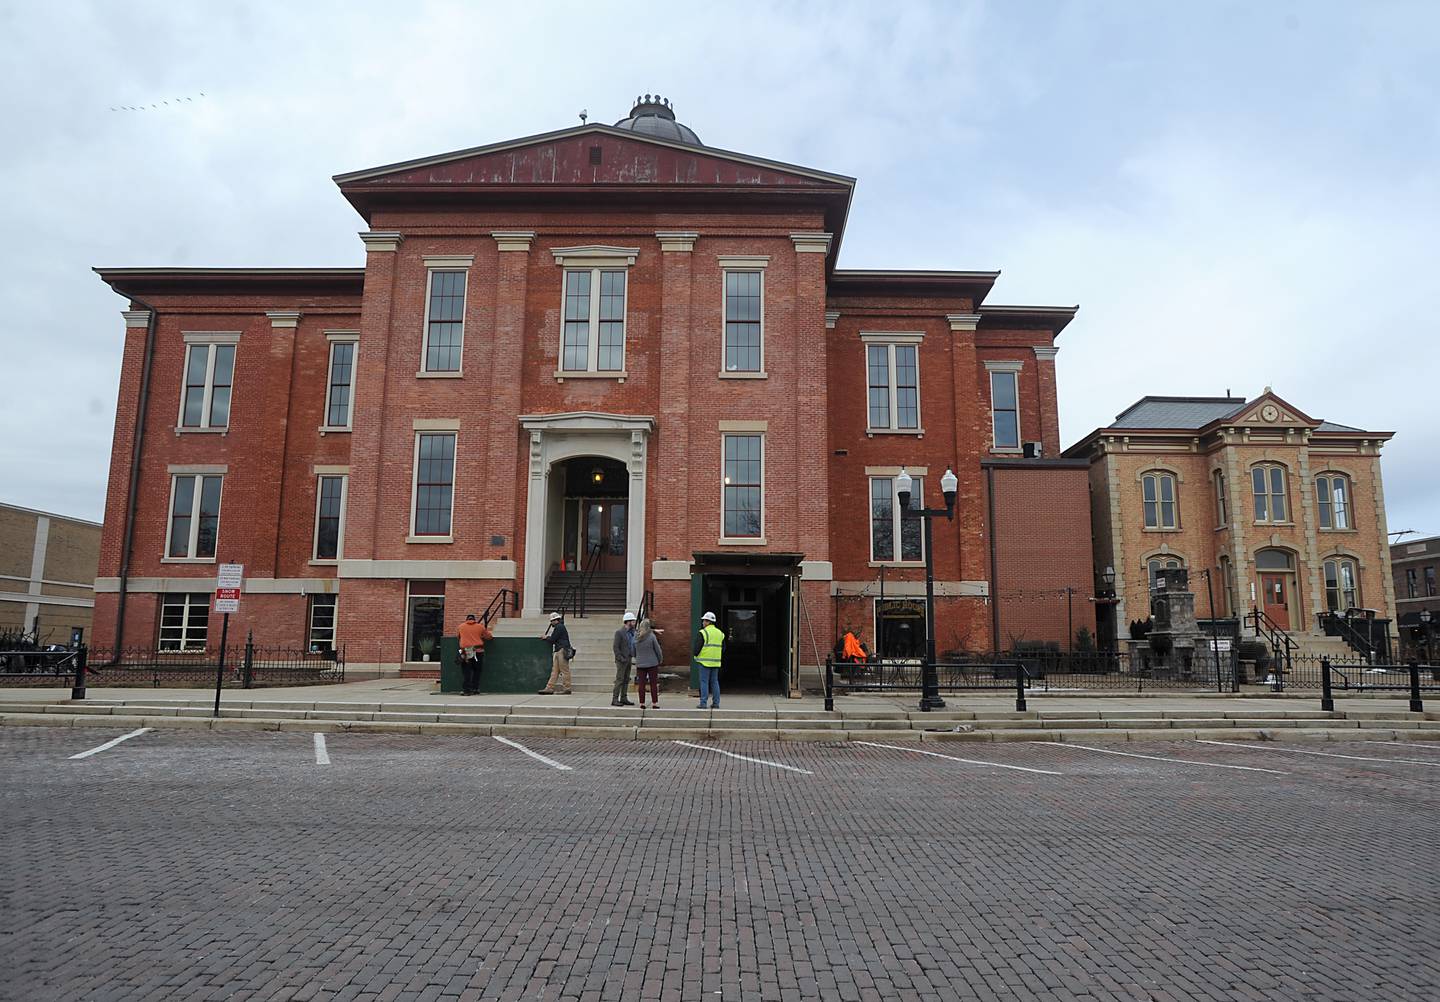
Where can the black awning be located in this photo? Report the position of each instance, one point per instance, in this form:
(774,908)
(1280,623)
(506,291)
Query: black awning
(748,563)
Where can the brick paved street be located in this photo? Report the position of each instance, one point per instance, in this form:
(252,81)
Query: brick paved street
(203,865)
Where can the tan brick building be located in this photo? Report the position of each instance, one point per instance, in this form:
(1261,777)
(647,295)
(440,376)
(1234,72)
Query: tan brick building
(1285,512)
(47,574)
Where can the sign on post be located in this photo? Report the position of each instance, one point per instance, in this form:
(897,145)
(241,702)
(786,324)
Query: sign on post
(227,587)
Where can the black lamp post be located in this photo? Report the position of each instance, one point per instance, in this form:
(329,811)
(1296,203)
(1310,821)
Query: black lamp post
(949,484)
(1425,618)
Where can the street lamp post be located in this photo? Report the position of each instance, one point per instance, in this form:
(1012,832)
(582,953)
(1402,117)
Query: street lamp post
(1426,643)
(949,485)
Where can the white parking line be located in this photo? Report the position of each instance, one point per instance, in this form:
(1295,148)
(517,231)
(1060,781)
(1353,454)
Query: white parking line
(322,757)
(744,758)
(1161,758)
(1321,754)
(1427,745)
(533,754)
(954,758)
(111,744)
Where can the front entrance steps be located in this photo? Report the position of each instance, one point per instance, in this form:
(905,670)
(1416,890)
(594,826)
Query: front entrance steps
(593,668)
(605,592)
(764,720)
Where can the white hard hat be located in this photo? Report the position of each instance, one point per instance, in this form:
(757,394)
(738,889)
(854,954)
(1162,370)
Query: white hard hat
(629,617)
(710,616)
(554,616)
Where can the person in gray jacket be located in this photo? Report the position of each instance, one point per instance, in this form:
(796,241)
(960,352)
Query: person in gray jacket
(624,650)
(648,658)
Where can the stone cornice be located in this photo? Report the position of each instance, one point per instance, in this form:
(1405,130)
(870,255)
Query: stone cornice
(513,240)
(136,318)
(963,321)
(283,318)
(1045,352)
(376,240)
(680,241)
(811,243)
(832,317)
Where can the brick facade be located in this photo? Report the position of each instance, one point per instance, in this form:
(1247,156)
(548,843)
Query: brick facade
(512,218)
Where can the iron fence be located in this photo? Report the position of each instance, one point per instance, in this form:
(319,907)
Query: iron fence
(246,666)
(1306,671)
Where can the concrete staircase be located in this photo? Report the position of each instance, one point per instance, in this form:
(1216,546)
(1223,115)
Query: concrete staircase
(593,669)
(604,594)
(802,722)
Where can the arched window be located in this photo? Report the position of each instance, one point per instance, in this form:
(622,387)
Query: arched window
(1268,485)
(1155,566)
(1158,491)
(1227,584)
(1222,505)
(1342,584)
(1332,498)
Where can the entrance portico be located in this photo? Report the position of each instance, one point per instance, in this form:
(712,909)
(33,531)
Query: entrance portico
(555,438)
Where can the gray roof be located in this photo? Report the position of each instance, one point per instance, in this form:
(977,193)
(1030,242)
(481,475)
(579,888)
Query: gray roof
(1332,426)
(1177,412)
(656,118)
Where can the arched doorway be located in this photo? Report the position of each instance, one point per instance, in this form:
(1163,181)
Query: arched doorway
(1275,574)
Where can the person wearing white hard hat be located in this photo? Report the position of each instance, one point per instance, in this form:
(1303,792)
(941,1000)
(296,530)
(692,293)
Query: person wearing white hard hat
(623,647)
(709,650)
(561,653)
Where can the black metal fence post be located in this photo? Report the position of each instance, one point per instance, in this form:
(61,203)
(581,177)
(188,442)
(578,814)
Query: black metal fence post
(1327,701)
(220,664)
(78,690)
(829,684)
(248,666)
(1019,687)
(1416,704)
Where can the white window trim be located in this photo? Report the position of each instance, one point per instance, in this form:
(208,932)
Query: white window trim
(1013,369)
(759,540)
(208,341)
(591,256)
(729,263)
(1332,476)
(891,342)
(1219,483)
(896,521)
(592,351)
(310,620)
(185,646)
(193,541)
(1270,518)
(415,483)
(1160,525)
(315,557)
(430,273)
(334,338)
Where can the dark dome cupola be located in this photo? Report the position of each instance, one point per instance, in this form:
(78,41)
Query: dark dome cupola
(653,116)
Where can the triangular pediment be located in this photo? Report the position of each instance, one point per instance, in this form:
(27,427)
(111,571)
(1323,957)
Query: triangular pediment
(570,157)
(1269,411)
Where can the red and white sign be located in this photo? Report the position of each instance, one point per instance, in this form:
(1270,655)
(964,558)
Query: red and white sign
(227,588)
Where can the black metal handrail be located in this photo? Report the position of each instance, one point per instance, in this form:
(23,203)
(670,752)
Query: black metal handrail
(1346,631)
(647,605)
(1281,643)
(574,595)
(505,602)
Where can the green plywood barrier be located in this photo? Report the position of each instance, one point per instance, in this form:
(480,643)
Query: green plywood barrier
(512,664)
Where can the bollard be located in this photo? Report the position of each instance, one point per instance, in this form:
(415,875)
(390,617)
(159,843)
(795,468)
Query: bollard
(1019,688)
(1327,701)
(829,684)
(1416,704)
(248,666)
(78,690)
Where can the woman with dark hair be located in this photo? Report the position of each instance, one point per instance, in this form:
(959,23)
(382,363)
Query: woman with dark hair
(648,657)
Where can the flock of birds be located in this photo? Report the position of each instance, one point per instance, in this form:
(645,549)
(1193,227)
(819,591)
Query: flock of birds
(157,106)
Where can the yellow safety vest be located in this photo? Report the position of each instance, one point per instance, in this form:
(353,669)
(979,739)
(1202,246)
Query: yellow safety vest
(709,656)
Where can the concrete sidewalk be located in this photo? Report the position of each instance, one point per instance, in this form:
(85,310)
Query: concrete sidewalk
(418,691)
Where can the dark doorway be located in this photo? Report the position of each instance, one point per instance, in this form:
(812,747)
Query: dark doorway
(754,613)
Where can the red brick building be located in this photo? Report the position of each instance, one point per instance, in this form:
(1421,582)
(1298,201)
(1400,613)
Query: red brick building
(608,348)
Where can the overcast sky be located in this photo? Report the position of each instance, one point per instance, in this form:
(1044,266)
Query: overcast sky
(1237,195)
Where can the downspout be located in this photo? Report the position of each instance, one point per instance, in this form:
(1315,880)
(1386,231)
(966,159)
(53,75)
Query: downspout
(133,498)
(994,564)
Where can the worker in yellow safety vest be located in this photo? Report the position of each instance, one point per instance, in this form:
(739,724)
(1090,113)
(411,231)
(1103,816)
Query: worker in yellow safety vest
(709,651)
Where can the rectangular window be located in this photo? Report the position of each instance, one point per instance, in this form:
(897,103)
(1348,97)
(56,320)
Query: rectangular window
(893,372)
(342,374)
(900,628)
(434,482)
(886,524)
(1005,409)
(1332,499)
(1430,582)
(1221,510)
(424,620)
(194,517)
(744,470)
(1268,485)
(445,321)
(209,374)
(743,325)
(593,339)
(1410,582)
(1158,496)
(329,516)
(184,621)
(322,623)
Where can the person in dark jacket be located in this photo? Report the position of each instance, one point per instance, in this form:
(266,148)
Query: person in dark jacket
(623,645)
(648,657)
(560,655)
